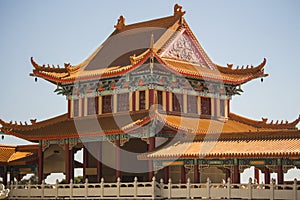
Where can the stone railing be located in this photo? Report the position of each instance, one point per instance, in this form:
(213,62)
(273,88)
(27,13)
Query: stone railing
(154,190)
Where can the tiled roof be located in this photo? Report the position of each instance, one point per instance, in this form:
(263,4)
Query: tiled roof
(233,128)
(9,154)
(228,149)
(116,55)
(64,127)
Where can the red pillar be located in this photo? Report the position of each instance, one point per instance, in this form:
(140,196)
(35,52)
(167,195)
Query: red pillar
(99,164)
(196,174)
(118,172)
(72,164)
(85,159)
(166,174)
(215,107)
(236,174)
(151,97)
(256,174)
(267,175)
(183,174)
(167,101)
(228,108)
(69,108)
(133,100)
(40,165)
(280,174)
(227,174)
(67,163)
(151,147)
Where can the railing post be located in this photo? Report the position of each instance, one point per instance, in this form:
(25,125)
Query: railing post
(250,188)
(188,189)
(272,189)
(43,188)
(153,187)
(71,187)
(295,189)
(161,185)
(102,187)
(135,186)
(170,189)
(118,186)
(228,188)
(29,189)
(208,188)
(86,187)
(56,188)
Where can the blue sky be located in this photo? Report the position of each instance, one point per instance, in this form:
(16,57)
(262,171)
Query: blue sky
(238,32)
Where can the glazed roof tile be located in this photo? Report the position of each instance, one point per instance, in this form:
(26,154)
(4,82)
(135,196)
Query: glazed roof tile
(228,149)
(9,154)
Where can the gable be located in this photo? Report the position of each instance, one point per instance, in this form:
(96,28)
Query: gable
(185,48)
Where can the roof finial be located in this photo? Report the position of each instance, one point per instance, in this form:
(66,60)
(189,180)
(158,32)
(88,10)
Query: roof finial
(121,23)
(178,11)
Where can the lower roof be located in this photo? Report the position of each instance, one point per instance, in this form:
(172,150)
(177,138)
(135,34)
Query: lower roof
(17,154)
(227,149)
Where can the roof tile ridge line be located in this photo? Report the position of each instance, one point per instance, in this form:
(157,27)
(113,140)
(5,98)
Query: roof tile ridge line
(47,68)
(37,124)
(200,48)
(150,20)
(263,123)
(251,69)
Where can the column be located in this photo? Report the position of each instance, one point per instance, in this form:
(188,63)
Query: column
(99,164)
(69,108)
(196,174)
(85,158)
(183,174)
(267,175)
(227,174)
(72,164)
(151,147)
(236,172)
(166,174)
(133,100)
(118,172)
(228,107)
(41,164)
(67,163)
(167,101)
(280,174)
(4,178)
(256,174)
(151,97)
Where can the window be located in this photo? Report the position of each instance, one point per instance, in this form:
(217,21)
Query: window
(142,101)
(160,99)
(123,102)
(76,107)
(191,104)
(222,107)
(205,106)
(92,105)
(107,104)
(177,100)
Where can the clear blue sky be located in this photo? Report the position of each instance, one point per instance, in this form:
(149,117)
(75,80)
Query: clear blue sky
(238,32)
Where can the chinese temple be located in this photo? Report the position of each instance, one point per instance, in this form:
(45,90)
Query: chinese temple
(150,102)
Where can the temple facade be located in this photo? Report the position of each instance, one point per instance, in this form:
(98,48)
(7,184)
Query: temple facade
(150,102)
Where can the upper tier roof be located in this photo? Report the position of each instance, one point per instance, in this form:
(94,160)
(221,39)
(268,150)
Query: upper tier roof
(17,154)
(169,39)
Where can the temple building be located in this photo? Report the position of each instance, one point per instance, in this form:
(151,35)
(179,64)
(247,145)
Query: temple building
(150,102)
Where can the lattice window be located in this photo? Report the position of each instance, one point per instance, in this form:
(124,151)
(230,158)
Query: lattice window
(123,102)
(205,106)
(107,106)
(76,107)
(177,101)
(191,104)
(92,105)
(142,100)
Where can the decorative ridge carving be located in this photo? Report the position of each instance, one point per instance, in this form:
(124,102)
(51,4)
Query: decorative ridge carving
(178,11)
(9,126)
(135,59)
(48,67)
(243,69)
(121,23)
(263,123)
